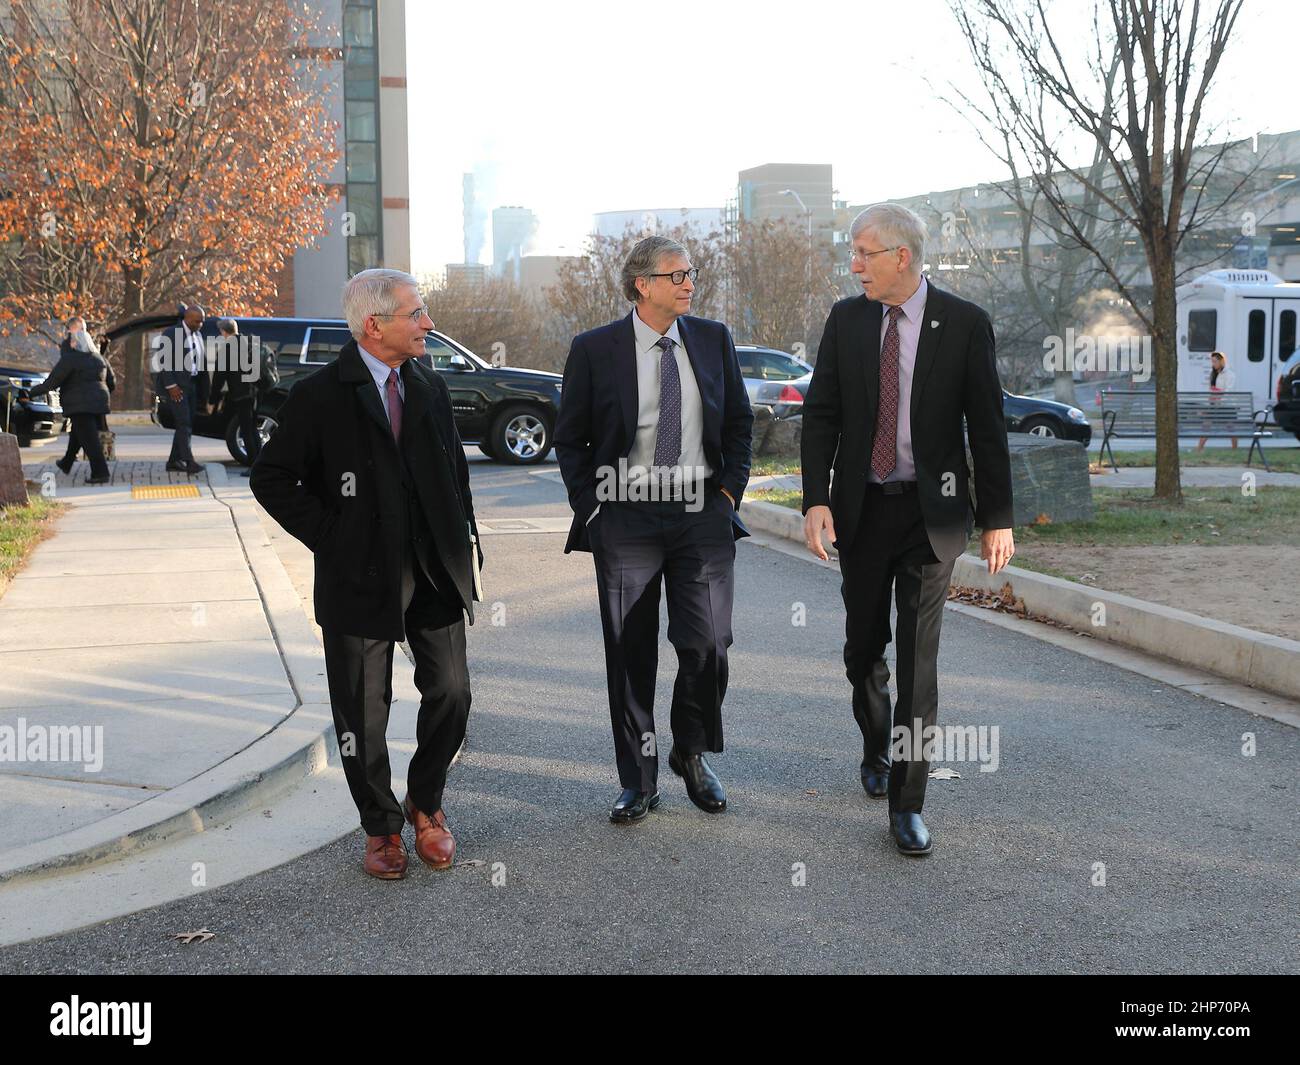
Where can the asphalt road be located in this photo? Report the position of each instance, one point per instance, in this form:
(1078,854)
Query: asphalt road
(1097,765)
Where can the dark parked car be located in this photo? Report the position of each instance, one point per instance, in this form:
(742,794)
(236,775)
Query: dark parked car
(508,413)
(1045,417)
(1286,412)
(27,419)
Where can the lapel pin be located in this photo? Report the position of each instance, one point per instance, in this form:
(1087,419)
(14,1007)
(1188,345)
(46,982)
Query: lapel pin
(934,324)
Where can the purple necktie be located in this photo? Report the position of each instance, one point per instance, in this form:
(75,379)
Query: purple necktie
(884,451)
(668,437)
(394,406)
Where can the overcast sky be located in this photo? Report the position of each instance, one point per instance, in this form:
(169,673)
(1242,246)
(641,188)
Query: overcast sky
(579,107)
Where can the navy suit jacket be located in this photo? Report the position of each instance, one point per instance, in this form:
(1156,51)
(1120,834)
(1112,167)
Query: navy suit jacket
(598,412)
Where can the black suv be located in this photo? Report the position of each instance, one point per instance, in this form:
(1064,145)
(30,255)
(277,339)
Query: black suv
(27,419)
(510,414)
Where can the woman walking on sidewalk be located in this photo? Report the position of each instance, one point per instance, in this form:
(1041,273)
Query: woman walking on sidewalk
(85,380)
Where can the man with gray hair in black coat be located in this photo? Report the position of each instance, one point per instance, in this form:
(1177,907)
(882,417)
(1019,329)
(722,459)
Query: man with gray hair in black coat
(366,469)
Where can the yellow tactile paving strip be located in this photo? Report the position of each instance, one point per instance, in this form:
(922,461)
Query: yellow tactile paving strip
(165,491)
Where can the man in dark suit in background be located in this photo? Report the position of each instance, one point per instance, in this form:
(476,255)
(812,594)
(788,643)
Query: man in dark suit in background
(239,391)
(653,440)
(181,380)
(366,469)
(897,370)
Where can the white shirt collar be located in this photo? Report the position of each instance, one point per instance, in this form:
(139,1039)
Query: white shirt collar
(647,338)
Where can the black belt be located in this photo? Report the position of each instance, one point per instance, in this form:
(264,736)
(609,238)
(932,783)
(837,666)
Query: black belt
(893,488)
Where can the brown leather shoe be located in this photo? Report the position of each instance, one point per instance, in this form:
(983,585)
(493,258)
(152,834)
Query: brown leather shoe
(434,842)
(386,857)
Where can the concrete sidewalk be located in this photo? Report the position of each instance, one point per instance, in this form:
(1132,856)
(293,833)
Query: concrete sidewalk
(154,658)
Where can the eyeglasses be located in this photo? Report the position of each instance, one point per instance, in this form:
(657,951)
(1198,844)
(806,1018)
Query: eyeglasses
(414,315)
(678,276)
(863,256)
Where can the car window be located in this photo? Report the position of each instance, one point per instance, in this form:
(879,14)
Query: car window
(779,368)
(324,345)
(746,363)
(439,352)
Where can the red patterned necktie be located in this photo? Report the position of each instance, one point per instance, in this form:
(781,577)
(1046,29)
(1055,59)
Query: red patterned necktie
(884,452)
(394,406)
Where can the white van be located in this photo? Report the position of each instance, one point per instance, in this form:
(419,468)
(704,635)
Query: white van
(1249,315)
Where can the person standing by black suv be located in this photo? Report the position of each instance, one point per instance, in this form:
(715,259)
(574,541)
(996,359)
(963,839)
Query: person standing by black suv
(84,379)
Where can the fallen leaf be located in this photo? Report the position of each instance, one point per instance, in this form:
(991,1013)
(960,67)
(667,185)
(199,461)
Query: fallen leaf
(195,937)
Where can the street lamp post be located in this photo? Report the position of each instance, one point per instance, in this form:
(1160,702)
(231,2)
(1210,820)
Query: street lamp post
(807,295)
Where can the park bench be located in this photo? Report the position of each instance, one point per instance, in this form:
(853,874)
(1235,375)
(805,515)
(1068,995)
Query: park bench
(1133,414)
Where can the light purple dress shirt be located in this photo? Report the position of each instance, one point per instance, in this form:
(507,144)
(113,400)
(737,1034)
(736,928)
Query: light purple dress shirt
(909,333)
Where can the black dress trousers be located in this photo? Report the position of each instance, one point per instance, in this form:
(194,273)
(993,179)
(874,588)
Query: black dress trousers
(360,674)
(639,548)
(892,551)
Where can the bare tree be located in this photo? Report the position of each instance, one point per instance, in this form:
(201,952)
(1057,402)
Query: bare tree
(498,321)
(1136,100)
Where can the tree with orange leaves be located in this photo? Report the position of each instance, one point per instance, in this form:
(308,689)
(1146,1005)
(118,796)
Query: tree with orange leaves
(156,150)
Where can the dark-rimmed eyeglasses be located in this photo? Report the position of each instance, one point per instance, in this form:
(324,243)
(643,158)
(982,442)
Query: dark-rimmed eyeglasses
(679,276)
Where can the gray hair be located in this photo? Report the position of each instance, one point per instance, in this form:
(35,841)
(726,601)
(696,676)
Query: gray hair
(644,261)
(896,226)
(373,292)
(228,326)
(83,341)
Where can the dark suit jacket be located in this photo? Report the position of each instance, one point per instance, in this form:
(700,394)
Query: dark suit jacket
(174,371)
(955,376)
(598,410)
(84,381)
(331,475)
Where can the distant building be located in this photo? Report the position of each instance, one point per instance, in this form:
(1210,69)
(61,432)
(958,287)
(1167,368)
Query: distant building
(700,220)
(761,196)
(466,274)
(512,231)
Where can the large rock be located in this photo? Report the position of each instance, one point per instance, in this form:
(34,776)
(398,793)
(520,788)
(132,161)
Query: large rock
(13,485)
(1049,479)
(776,438)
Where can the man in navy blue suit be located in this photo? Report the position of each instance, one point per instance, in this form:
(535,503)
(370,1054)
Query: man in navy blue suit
(653,440)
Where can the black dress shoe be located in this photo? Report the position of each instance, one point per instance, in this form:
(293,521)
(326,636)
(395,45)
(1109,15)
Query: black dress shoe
(910,833)
(66,468)
(99,480)
(702,784)
(633,805)
(194,467)
(176,467)
(875,781)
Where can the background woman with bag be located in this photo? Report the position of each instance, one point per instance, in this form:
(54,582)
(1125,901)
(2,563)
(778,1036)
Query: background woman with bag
(84,380)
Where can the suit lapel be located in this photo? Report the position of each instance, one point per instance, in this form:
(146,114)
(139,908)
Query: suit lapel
(353,370)
(625,375)
(927,345)
(871,363)
(693,342)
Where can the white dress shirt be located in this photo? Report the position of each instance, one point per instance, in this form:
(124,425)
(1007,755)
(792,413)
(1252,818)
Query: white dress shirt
(380,371)
(909,334)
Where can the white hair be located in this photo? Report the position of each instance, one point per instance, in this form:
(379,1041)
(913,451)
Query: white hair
(83,341)
(896,226)
(373,292)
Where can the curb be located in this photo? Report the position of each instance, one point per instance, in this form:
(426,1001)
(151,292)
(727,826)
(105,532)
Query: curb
(1257,659)
(299,746)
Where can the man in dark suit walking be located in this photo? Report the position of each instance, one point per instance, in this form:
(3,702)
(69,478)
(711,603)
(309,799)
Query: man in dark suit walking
(366,469)
(897,370)
(239,390)
(653,440)
(181,379)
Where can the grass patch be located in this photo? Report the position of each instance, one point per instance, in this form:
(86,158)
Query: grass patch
(770,467)
(782,497)
(21,529)
(1280,460)
(1128,517)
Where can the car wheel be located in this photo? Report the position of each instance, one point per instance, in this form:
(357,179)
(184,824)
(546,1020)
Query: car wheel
(520,436)
(266,425)
(485,446)
(1040,426)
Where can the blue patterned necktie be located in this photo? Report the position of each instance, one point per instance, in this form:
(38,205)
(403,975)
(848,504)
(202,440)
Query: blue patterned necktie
(668,436)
